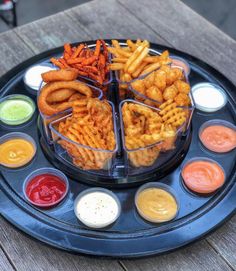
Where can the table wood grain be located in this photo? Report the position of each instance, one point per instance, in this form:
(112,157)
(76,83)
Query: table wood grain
(168,22)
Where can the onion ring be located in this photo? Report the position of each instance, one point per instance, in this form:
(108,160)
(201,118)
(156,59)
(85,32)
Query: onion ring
(60,75)
(76,96)
(49,110)
(60,95)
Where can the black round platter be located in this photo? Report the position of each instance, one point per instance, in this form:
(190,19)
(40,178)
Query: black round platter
(130,235)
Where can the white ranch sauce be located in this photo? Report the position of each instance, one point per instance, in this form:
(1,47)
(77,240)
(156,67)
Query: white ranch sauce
(97,209)
(33,76)
(208,97)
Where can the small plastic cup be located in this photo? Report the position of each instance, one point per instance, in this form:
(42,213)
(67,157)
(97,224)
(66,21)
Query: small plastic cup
(46,170)
(94,190)
(18,135)
(32,77)
(16,98)
(206,105)
(201,159)
(213,123)
(164,187)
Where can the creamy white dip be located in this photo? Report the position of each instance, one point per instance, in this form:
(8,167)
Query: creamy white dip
(33,77)
(97,209)
(208,98)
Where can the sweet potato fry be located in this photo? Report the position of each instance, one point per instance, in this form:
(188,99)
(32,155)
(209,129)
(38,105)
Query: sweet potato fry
(75,60)
(78,50)
(89,60)
(57,63)
(68,49)
(98,48)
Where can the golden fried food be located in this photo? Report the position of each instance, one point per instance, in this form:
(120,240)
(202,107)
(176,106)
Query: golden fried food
(91,125)
(171,114)
(68,74)
(49,88)
(60,95)
(145,128)
(154,93)
(135,60)
(182,99)
(170,92)
(162,85)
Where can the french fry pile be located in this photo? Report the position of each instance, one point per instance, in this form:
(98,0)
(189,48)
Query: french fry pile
(143,127)
(134,59)
(89,63)
(162,85)
(90,125)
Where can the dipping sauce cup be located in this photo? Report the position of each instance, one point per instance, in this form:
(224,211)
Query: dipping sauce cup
(203,175)
(16,109)
(156,202)
(218,135)
(97,207)
(16,149)
(45,187)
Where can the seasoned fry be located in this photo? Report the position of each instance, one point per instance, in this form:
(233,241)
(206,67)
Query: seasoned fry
(90,125)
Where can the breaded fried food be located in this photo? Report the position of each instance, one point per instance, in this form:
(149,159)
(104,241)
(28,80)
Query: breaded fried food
(68,74)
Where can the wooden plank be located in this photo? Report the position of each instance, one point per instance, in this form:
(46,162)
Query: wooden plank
(12,51)
(28,254)
(186,30)
(4,263)
(50,32)
(108,19)
(224,241)
(197,257)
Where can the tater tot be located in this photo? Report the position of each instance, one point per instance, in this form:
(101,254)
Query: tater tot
(182,99)
(182,86)
(160,80)
(155,94)
(149,80)
(139,86)
(170,92)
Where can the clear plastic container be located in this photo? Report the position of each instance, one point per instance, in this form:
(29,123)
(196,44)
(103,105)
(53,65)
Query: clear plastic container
(14,100)
(124,85)
(32,77)
(148,158)
(213,123)
(181,62)
(82,156)
(161,186)
(97,93)
(51,171)
(196,159)
(151,102)
(98,224)
(19,135)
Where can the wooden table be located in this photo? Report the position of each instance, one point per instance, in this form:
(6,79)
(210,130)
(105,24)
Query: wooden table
(168,22)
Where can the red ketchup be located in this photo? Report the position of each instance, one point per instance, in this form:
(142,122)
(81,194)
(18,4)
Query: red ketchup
(46,190)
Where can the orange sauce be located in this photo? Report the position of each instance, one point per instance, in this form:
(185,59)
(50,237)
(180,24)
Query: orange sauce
(16,152)
(218,138)
(203,176)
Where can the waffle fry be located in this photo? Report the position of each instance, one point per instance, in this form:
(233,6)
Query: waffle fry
(171,114)
(90,125)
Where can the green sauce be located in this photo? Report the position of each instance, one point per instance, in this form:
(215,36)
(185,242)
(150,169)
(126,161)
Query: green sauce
(15,111)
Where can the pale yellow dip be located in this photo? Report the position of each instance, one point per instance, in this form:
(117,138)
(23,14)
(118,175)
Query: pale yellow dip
(156,205)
